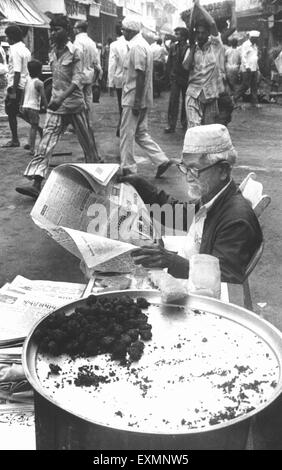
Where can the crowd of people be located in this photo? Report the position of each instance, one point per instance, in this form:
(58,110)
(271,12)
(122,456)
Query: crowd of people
(202,70)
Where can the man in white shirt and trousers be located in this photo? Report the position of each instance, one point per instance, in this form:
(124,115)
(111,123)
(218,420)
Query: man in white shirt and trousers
(90,58)
(17,76)
(118,52)
(137,99)
(249,67)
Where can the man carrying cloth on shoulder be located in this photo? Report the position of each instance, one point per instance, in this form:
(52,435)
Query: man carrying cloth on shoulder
(202,61)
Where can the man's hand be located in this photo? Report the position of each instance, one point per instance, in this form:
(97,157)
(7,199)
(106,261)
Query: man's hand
(136,109)
(55,104)
(153,257)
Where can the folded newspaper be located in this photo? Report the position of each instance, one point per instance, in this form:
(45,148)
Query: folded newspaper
(17,427)
(90,215)
(24,302)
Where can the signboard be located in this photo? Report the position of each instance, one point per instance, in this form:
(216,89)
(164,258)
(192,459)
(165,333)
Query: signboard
(95,9)
(76,10)
(108,7)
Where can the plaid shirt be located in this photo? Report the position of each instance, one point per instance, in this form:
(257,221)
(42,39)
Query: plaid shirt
(204,79)
(67,70)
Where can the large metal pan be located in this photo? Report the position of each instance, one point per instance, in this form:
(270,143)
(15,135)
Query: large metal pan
(61,427)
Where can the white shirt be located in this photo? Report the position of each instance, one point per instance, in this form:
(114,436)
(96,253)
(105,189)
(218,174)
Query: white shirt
(118,52)
(18,60)
(233,58)
(192,242)
(3,66)
(249,56)
(90,57)
(139,57)
(32,96)
(159,52)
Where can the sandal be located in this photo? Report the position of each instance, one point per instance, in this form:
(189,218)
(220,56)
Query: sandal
(30,191)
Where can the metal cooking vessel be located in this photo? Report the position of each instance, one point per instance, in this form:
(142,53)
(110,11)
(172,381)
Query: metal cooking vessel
(59,427)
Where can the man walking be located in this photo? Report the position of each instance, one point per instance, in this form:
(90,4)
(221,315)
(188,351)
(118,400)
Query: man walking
(178,79)
(249,67)
(118,52)
(203,62)
(67,106)
(136,100)
(90,60)
(17,76)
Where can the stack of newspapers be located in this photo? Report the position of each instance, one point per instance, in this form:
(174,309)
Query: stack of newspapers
(22,304)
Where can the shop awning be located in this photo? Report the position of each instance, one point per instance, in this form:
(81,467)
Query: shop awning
(23,12)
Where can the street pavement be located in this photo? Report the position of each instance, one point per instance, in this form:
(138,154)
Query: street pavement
(256,134)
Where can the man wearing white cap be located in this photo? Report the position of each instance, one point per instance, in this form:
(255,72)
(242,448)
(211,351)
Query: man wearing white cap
(137,98)
(249,67)
(224,226)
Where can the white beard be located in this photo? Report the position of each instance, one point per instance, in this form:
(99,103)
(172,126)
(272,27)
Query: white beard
(197,191)
(194,192)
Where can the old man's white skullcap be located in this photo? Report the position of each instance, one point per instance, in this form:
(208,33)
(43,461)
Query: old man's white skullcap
(254,34)
(132,23)
(213,140)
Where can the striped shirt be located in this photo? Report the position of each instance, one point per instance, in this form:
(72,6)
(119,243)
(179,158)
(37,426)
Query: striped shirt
(68,70)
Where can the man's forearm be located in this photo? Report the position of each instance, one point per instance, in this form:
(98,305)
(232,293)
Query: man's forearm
(233,26)
(17,79)
(69,91)
(140,85)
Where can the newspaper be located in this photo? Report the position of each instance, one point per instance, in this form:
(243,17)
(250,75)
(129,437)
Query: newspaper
(24,302)
(17,427)
(90,215)
(94,250)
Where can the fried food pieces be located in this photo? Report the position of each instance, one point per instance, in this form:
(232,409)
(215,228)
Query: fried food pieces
(104,325)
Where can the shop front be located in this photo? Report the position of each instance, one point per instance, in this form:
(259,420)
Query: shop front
(103,18)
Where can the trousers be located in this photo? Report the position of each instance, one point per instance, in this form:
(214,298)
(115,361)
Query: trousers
(199,113)
(135,129)
(176,91)
(249,80)
(55,126)
(88,96)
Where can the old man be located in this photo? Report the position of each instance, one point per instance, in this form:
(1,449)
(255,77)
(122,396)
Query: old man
(224,225)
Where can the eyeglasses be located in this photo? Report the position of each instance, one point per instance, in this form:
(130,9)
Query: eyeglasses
(197,171)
